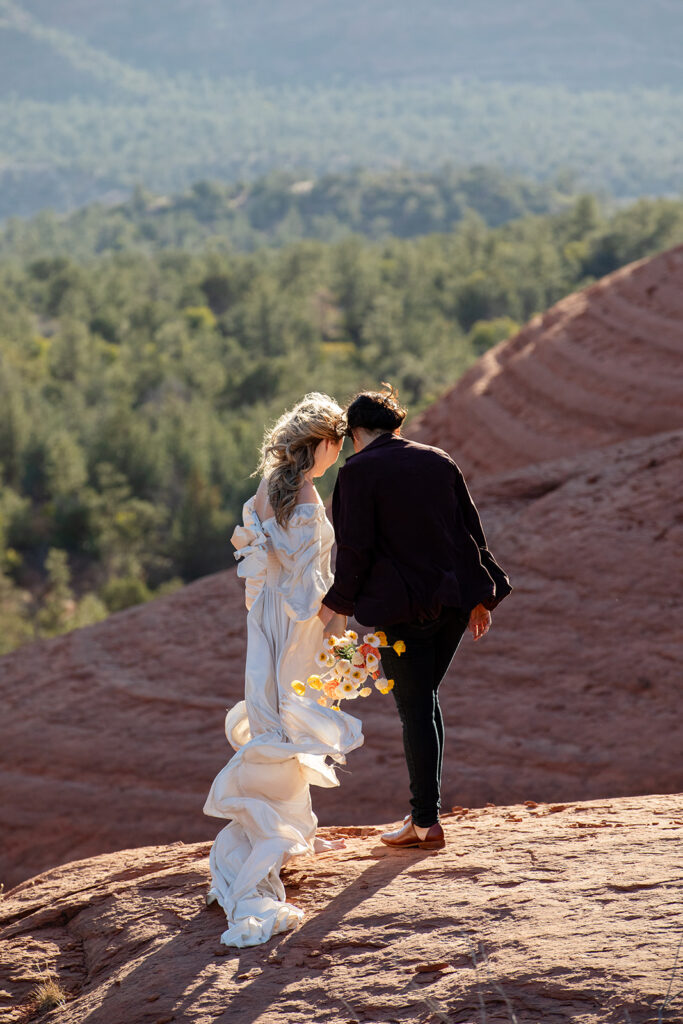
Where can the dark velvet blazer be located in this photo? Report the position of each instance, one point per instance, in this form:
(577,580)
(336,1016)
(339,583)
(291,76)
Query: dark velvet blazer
(409,537)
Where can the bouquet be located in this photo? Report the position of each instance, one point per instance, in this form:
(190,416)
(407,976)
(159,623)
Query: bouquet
(346,664)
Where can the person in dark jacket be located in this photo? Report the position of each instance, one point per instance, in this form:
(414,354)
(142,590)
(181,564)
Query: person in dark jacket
(412,561)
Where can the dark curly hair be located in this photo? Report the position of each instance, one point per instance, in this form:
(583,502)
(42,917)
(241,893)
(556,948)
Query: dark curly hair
(375,410)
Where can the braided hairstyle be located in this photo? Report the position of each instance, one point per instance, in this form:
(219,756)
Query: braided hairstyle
(288,448)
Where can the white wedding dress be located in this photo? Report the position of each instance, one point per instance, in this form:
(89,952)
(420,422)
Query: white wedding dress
(282,741)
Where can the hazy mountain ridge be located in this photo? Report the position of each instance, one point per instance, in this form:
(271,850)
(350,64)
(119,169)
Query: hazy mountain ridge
(95,99)
(69,153)
(583,45)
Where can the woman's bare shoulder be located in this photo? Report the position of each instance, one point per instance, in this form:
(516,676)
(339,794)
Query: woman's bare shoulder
(308,495)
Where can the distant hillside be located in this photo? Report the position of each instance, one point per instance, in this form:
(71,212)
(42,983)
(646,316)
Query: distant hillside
(169,134)
(598,44)
(95,98)
(284,208)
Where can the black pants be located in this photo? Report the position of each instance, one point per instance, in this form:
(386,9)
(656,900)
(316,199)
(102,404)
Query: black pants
(417,673)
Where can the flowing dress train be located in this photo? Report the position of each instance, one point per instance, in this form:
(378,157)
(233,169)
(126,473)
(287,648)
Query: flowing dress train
(284,743)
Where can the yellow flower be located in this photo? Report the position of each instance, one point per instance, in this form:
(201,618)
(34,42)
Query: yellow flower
(299,687)
(371,639)
(382,637)
(390,684)
(315,682)
(399,647)
(366,691)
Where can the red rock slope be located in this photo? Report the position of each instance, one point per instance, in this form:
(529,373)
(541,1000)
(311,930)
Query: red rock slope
(531,913)
(111,735)
(603,365)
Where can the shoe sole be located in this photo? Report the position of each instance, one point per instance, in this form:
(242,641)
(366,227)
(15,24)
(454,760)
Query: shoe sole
(434,844)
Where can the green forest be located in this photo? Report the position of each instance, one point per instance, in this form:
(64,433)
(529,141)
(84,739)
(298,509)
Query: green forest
(283,208)
(135,383)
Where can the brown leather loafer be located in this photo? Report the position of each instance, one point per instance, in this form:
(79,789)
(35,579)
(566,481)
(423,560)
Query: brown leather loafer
(407,837)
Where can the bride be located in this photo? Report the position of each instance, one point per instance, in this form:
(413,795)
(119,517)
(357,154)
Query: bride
(283,742)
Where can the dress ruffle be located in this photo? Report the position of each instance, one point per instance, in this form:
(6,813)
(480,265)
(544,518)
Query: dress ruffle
(283,742)
(251,544)
(305,579)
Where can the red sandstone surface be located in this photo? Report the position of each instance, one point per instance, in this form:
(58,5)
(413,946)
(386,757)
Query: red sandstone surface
(535,914)
(603,365)
(111,735)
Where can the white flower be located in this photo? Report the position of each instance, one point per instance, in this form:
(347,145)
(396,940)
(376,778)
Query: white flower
(351,635)
(324,659)
(371,662)
(328,643)
(358,659)
(380,683)
(343,666)
(358,676)
(371,639)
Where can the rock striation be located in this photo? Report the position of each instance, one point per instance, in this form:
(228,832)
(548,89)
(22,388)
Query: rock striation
(603,365)
(533,913)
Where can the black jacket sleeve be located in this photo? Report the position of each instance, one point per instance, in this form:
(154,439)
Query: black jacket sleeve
(353,516)
(473,524)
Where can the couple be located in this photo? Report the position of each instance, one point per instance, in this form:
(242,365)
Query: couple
(411,561)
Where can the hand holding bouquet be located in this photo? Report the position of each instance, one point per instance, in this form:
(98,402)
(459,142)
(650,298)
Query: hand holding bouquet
(346,664)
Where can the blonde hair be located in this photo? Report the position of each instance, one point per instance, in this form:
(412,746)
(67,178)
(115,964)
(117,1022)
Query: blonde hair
(288,448)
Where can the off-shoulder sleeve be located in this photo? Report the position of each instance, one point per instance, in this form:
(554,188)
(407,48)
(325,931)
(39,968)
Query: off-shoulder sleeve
(250,541)
(299,549)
